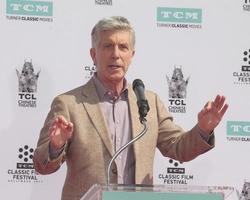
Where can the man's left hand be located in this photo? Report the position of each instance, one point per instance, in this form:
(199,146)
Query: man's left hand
(210,116)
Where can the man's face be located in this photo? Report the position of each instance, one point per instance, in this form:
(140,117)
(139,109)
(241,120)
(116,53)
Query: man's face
(112,56)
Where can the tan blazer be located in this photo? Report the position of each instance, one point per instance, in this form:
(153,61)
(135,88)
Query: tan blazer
(89,151)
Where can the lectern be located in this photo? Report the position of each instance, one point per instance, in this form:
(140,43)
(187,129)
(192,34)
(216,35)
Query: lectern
(156,192)
(160,192)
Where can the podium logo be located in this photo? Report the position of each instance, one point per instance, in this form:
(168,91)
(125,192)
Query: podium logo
(35,8)
(179,17)
(238,131)
(177,91)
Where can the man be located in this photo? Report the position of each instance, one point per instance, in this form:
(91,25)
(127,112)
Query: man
(87,125)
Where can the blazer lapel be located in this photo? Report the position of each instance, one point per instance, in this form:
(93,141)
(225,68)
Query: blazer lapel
(91,104)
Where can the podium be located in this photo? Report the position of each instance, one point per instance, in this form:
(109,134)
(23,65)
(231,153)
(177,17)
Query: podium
(160,192)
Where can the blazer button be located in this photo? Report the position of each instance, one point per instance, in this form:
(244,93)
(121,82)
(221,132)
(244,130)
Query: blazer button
(114,171)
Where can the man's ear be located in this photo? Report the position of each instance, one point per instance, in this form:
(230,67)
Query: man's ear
(133,53)
(93,55)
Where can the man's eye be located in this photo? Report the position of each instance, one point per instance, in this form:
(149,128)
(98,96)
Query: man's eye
(107,45)
(125,47)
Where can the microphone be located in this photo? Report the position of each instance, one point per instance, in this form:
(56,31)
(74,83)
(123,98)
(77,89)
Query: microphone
(142,102)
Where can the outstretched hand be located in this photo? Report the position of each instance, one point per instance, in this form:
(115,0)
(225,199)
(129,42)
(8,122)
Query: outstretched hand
(59,132)
(210,116)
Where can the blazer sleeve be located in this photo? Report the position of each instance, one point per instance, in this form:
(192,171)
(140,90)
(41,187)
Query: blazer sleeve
(42,161)
(176,143)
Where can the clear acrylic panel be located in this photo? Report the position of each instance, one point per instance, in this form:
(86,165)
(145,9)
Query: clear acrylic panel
(100,192)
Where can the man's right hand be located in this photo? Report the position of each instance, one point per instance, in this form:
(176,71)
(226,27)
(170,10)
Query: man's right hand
(59,132)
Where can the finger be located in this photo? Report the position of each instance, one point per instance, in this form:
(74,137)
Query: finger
(220,103)
(70,126)
(54,132)
(203,112)
(223,110)
(206,105)
(52,129)
(61,120)
(69,131)
(217,100)
(56,124)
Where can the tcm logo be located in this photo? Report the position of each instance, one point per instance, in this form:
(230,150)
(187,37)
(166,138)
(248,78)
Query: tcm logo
(179,15)
(24,7)
(238,128)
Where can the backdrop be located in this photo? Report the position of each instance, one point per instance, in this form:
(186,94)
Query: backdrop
(203,45)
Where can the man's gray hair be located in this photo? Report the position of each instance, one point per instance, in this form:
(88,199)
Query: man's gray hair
(114,23)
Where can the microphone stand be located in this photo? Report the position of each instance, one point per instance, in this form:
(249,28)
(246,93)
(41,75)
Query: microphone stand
(143,121)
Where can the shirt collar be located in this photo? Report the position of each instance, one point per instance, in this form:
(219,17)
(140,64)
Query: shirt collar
(103,92)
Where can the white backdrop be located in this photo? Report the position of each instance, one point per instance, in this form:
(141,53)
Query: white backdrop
(209,39)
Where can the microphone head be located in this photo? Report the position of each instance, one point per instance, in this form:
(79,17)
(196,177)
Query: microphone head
(138,83)
(142,102)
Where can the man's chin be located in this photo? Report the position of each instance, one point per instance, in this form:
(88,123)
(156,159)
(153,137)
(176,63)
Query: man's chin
(116,79)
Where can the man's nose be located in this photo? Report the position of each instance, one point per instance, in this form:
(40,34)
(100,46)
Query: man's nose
(115,52)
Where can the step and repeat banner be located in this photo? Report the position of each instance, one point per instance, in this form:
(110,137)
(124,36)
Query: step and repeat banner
(186,51)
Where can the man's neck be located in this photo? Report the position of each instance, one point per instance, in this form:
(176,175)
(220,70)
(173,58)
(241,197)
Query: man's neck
(116,86)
